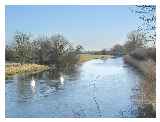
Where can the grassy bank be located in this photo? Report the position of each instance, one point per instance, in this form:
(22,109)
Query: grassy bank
(148,68)
(14,68)
(87,57)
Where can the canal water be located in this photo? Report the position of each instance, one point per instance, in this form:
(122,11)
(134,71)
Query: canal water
(97,88)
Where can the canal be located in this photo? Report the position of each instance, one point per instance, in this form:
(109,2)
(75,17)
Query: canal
(97,88)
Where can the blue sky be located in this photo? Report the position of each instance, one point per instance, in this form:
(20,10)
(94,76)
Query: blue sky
(94,27)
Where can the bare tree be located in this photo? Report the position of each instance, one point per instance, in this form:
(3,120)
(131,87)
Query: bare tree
(136,39)
(23,47)
(147,13)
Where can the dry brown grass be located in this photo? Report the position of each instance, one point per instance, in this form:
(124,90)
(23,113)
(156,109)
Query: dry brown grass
(144,53)
(87,57)
(13,69)
(148,86)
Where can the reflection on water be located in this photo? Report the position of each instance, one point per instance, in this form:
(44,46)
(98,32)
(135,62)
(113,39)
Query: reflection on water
(97,88)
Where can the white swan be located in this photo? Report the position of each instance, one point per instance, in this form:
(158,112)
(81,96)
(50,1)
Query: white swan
(33,83)
(62,79)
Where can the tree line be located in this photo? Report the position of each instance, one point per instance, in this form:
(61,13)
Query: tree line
(144,37)
(50,50)
(59,51)
(135,39)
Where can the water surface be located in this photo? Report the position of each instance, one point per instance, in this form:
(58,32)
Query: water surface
(97,88)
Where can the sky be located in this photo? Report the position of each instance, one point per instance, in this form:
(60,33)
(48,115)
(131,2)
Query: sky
(93,27)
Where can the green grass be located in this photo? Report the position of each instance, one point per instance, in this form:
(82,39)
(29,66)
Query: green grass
(87,57)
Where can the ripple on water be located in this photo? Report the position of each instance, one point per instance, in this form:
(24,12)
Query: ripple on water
(98,89)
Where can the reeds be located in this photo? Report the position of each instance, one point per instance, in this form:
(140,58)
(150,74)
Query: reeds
(148,68)
(13,69)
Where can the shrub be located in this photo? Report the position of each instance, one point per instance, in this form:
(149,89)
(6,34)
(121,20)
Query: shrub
(139,53)
(151,52)
(146,111)
(144,53)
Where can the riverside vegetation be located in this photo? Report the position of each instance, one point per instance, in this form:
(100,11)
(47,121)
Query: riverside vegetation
(35,54)
(144,58)
(30,55)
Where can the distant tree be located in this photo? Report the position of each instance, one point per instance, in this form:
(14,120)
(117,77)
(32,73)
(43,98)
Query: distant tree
(54,50)
(45,51)
(36,52)
(117,50)
(10,54)
(79,48)
(69,59)
(103,52)
(135,40)
(61,45)
(147,13)
(23,47)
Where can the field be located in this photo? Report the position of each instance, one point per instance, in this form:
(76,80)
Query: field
(87,57)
